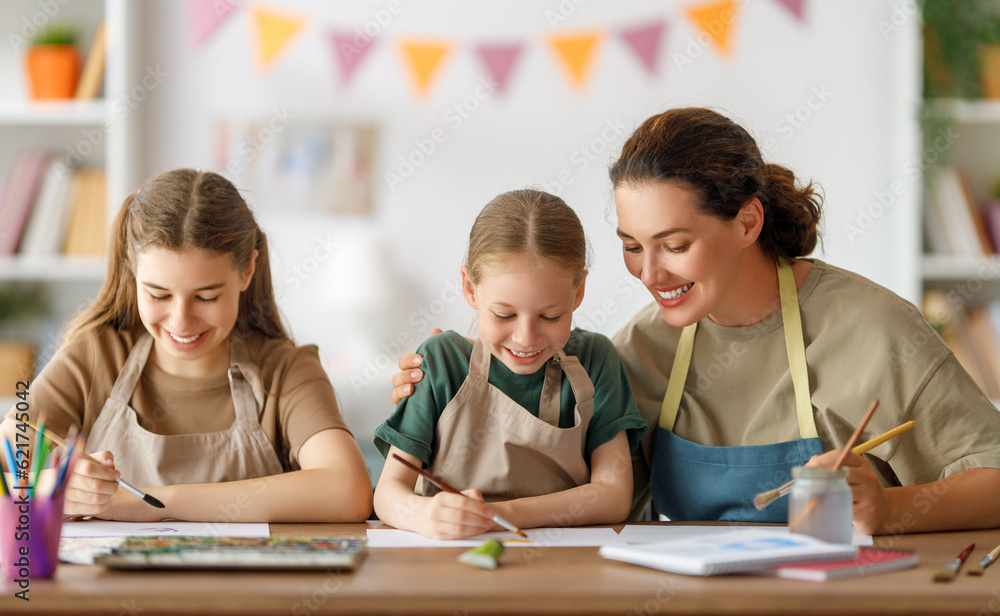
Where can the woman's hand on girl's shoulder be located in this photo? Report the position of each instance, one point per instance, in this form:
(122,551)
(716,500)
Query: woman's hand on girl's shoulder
(409,373)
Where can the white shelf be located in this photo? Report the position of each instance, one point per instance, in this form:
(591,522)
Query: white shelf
(981,111)
(53,113)
(52,269)
(950,268)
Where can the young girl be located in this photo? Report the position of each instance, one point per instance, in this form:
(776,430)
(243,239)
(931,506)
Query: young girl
(535,420)
(183,378)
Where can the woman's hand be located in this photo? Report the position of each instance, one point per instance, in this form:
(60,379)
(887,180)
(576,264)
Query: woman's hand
(455,516)
(871,505)
(402,381)
(91,485)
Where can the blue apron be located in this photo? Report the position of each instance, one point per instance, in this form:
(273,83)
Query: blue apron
(697,482)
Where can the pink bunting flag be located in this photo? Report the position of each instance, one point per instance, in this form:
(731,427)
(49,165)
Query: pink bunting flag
(499,60)
(645,42)
(205,16)
(349,49)
(796,7)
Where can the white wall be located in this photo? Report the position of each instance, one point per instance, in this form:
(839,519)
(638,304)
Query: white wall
(854,141)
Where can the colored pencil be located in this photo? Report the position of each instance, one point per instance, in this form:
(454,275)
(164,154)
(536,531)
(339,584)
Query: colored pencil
(447,488)
(121,481)
(766,498)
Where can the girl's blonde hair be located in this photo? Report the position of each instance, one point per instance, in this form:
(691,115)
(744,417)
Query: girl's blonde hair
(177,210)
(527,221)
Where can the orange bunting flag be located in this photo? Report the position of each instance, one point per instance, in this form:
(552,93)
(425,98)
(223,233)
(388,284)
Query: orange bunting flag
(716,20)
(424,59)
(272,32)
(576,54)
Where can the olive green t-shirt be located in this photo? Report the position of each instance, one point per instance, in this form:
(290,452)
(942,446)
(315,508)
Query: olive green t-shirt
(412,426)
(862,342)
(299,400)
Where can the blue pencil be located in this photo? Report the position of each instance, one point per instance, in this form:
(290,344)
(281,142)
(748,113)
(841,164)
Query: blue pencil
(11,466)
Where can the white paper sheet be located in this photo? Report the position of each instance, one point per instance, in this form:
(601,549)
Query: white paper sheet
(650,533)
(104,528)
(537,537)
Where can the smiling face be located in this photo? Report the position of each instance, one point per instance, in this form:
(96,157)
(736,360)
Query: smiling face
(188,301)
(525,309)
(693,263)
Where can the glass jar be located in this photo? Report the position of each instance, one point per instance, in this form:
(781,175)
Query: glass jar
(821,504)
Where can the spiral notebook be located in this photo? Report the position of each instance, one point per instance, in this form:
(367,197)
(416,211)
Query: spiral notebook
(739,551)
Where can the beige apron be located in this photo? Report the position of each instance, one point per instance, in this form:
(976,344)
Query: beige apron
(487,441)
(146,459)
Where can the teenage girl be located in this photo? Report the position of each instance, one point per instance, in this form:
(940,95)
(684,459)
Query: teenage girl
(535,420)
(185,381)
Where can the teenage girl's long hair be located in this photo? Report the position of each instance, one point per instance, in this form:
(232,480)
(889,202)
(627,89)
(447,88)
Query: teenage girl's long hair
(177,210)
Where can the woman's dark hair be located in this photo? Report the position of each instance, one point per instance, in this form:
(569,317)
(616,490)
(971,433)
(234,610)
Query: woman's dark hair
(719,160)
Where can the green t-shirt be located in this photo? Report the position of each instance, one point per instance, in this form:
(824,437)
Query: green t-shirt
(412,426)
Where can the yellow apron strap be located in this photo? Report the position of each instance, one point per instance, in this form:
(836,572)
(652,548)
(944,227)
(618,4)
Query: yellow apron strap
(678,375)
(795,345)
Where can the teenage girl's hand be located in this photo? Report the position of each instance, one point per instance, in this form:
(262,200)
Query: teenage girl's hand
(408,374)
(871,506)
(455,516)
(91,485)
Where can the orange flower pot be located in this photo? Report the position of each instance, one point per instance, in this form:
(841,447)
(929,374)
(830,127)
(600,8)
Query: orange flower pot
(53,70)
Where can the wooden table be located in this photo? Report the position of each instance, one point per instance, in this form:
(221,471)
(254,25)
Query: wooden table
(529,581)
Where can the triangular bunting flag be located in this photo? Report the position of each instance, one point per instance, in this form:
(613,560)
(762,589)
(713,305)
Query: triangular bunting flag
(796,7)
(499,60)
(272,31)
(349,49)
(424,58)
(576,54)
(204,16)
(716,19)
(645,42)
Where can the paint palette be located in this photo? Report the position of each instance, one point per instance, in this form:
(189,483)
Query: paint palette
(236,553)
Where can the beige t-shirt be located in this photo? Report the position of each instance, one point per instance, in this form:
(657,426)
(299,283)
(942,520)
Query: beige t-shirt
(299,400)
(862,342)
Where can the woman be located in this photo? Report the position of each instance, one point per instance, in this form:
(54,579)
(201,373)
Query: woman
(185,382)
(785,353)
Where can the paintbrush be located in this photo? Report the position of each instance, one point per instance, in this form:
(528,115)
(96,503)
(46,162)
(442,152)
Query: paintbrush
(977,569)
(837,463)
(766,498)
(134,490)
(948,570)
(447,488)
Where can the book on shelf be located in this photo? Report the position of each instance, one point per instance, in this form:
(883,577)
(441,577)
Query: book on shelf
(46,229)
(952,219)
(87,225)
(869,561)
(741,551)
(92,74)
(20,189)
(972,335)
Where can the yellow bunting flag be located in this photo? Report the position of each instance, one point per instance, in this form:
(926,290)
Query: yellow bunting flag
(424,59)
(716,20)
(576,53)
(272,32)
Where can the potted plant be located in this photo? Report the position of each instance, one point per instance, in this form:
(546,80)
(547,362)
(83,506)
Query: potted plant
(53,63)
(960,41)
(19,304)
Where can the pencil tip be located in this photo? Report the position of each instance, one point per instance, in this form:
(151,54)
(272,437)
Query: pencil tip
(521,533)
(153,501)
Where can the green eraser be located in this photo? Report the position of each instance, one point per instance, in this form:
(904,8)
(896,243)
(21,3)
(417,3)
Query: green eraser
(484,556)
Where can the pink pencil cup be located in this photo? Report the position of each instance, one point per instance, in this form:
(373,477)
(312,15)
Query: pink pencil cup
(29,535)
